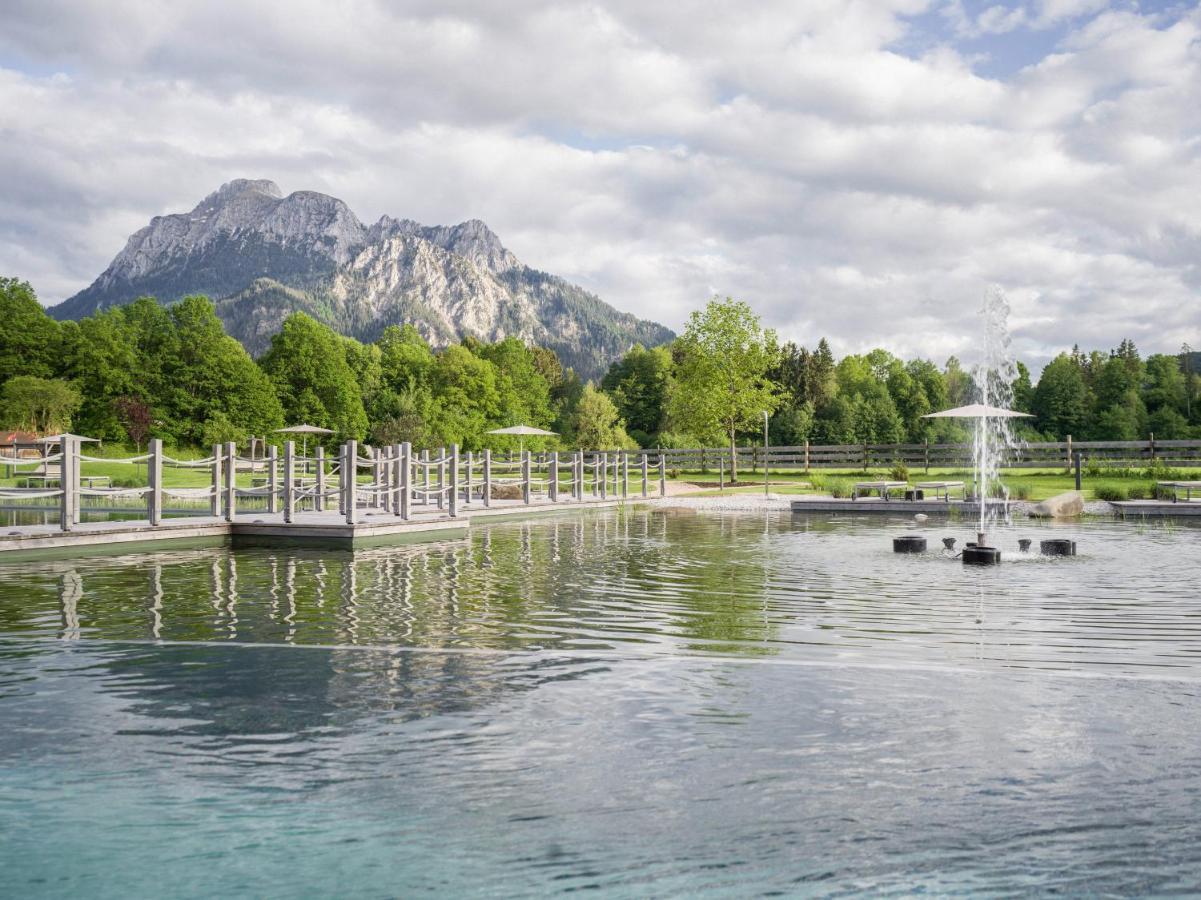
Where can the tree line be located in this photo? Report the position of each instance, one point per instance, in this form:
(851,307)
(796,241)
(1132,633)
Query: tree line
(146,370)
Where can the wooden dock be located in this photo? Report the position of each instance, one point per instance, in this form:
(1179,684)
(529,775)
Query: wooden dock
(317,529)
(391,495)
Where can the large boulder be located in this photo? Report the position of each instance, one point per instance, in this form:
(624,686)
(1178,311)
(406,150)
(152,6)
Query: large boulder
(1067,505)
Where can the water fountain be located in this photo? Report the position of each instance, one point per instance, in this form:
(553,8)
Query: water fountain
(992,420)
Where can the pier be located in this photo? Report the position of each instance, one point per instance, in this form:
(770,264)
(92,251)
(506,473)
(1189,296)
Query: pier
(355,498)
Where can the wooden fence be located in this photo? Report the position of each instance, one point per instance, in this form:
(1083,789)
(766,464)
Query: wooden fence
(1041,455)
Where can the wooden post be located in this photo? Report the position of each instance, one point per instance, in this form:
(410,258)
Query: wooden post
(927,456)
(662,475)
(406,474)
(154,476)
(721,474)
(525,477)
(441,477)
(467,485)
(425,477)
(66,479)
(342,480)
(806,457)
(553,477)
(625,474)
(1069,453)
(352,481)
(319,487)
(1152,437)
(453,494)
(866,457)
(487,478)
(272,479)
(645,473)
(215,499)
(376,478)
(289,480)
(231,481)
(602,474)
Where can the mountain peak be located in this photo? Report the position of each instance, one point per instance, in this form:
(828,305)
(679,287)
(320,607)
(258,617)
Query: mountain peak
(240,186)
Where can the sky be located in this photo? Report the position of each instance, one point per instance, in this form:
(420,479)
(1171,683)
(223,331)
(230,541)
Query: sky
(861,170)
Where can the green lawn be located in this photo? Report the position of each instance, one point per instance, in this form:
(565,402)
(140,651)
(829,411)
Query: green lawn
(1030,484)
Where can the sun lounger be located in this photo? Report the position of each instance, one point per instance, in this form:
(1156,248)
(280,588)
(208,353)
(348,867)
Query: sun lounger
(883,488)
(1177,486)
(941,487)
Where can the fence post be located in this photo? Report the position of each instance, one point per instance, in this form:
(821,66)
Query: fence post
(525,477)
(272,478)
(602,473)
(467,486)
(289,480)
(644,473)
(806,456)
(1069,452)
(231,481)
(454,480)
(625,474)
(662,475)
(351,501)
(721,473)
(319,483)
(441,477)
(553,477)
(487,478)
(406,474)
(1152,437)
(215,499)
(154,476)
(376,478)
(66,480)
(865,457)
(342,479)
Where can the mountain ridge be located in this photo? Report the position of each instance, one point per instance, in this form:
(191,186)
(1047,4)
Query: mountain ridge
(260,255)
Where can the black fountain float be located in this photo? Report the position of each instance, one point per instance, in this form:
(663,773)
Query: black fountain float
(1057,547)
(909,543)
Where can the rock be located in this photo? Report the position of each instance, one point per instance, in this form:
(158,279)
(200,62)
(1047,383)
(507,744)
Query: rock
(507,492)
(1067,505)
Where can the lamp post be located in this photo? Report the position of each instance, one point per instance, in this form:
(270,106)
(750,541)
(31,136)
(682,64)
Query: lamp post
(766,492)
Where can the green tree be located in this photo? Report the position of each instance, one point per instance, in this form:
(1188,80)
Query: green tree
(638,384)
(29,339)
(598,424)
(42,405)
(466,400)
(220,388)
(308,365)
(721,366)
(523,393)
(1061,398)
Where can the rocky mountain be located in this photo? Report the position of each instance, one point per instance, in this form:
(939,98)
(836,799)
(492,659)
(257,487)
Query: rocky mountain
(261,256)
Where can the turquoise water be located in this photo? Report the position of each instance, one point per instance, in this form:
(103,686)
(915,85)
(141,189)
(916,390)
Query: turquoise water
(642,703)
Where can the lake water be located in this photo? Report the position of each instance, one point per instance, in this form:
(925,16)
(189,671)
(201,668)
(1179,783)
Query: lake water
(640,702)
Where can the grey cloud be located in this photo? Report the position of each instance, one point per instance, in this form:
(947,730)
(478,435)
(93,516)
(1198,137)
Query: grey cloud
(655,153)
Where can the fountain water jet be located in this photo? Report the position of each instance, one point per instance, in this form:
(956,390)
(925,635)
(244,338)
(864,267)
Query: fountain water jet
(993,435)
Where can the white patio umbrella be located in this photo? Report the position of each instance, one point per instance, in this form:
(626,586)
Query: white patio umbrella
(522,431)
(304,431)
(977,411)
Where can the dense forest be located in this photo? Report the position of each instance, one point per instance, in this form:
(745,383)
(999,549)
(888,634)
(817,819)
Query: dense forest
(147,370)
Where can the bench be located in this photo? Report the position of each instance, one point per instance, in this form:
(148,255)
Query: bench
(884,488)
(942,487)
(88,480)
(1177,486)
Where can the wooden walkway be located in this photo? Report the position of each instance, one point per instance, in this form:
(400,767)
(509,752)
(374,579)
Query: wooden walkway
(322,529)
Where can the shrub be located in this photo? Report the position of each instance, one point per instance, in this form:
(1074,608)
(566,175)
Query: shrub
(1137,492)
(899,471)
(839,488)
(1110,493)
(1022,491)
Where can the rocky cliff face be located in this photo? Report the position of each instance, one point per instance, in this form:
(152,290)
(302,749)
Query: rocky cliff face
(261,256)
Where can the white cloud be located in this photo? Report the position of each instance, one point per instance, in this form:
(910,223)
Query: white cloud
(788,154)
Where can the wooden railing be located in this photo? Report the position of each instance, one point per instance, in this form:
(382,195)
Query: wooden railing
(1050,454)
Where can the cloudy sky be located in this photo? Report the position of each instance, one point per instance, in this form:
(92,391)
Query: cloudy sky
(860,170)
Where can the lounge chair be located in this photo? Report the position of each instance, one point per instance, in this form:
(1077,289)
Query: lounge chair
(884,488)
(942,487)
